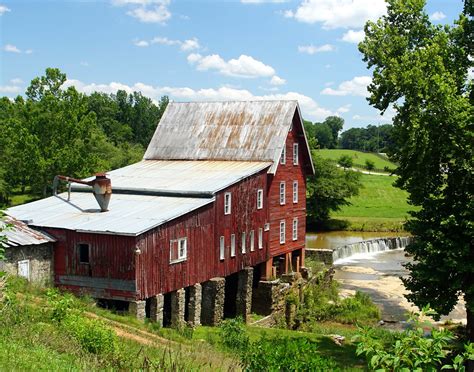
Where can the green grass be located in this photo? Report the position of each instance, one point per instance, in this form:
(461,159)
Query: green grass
(358,158)
(379,206)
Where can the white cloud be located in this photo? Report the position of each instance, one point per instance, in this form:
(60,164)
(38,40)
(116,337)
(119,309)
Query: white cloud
(344,109)
(10,89)
(437,16)
(262,1)
(141,43)
(16,81)
(311,49)
(310,108)
(3,9)
(355,87)
(185,46)
(244,66)
(28,51)
(276,80)
(147,11)
(352,36)
(84,63)
(338,13)
(387,117)
(11,48)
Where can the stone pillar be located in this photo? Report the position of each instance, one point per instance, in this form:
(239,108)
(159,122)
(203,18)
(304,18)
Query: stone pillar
(194,305)
(156,309)
(213,294)
(137,309)
(244,293)
(178,300)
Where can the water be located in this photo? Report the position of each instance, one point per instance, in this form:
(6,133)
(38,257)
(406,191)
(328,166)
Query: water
(334,239)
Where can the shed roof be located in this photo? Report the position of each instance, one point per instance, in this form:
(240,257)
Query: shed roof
(245,131)
(185,177)
(19,234)
(127,215)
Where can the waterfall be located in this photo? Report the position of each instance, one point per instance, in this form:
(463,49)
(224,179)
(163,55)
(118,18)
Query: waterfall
(369,246)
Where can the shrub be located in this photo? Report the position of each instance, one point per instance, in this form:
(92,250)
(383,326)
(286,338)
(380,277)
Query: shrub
(93,335)
(284,354)
(411,350)
(233,334)
(61,303)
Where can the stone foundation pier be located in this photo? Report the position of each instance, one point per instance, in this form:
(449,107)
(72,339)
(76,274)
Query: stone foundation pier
(194,305)
(244,293)
(178,299)
(212,308)
(156,309)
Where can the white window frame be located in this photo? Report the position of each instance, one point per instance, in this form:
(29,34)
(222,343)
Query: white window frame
(259,198)
(282,232)
(252,241)
(283,155)
(232,245)
(295,228)
(222,248)
(282,193)
(295,154)
(227,203)
(260,238)
(295,192)
(244,241)
(181,249)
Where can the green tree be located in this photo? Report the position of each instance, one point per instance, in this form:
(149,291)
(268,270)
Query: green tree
(345,161)
(335,124)
(421,70)
(328,189)
(369,164)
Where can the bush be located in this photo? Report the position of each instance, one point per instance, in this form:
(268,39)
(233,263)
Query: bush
(412,350)
(93,335)
(233,334)
(284,354)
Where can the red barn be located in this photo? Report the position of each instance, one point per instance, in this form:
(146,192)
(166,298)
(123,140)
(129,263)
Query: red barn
(217,204)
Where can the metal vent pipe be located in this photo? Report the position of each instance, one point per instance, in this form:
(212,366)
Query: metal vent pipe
(101,188)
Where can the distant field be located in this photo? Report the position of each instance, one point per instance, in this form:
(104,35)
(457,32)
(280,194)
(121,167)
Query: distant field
(358,158)
(379,206)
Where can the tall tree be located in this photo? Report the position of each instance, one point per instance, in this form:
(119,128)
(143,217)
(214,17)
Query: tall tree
(335,124)
(421,69)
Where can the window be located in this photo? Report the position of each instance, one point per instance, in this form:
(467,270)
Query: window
(283,155)
(260,238)
(232,245)
(282,193)
(222,248)
(295,154)
(227,202)
(259,199)
(295,228)
(178,250)
(282,232)
(244,238)
(252,241)
(295,191)
(83,253)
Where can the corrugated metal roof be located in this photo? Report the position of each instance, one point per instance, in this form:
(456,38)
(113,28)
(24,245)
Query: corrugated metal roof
(248,131)
(185,176)
(19,234)
(127,215)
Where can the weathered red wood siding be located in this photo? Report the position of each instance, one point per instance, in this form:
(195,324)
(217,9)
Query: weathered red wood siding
(203,228)
(288,173)
(110,272)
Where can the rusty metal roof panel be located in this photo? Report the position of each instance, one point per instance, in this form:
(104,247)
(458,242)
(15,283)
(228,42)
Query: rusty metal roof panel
(246,131)
(184,176)
(19,234)
(127,215)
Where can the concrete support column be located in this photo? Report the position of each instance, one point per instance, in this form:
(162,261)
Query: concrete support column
(178,300)
(156,309)
(213,294)
(244,293)
(137,309)
(194,305)
(302,256)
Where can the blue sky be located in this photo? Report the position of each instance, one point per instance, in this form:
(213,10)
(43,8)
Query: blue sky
(202,50)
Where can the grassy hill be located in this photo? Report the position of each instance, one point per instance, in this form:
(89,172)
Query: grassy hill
(358,158)
(379,206)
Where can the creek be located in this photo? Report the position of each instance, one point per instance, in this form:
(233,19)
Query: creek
(374,263)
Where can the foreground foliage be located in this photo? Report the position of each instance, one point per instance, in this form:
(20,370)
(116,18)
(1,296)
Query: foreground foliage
(421,70)
(413,350)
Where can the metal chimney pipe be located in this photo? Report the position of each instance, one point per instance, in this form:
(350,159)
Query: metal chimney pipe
(101,188)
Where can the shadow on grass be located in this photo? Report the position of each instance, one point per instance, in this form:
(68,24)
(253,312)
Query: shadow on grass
(344,355)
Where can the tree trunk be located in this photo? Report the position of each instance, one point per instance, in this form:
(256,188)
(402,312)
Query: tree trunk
(470,323)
